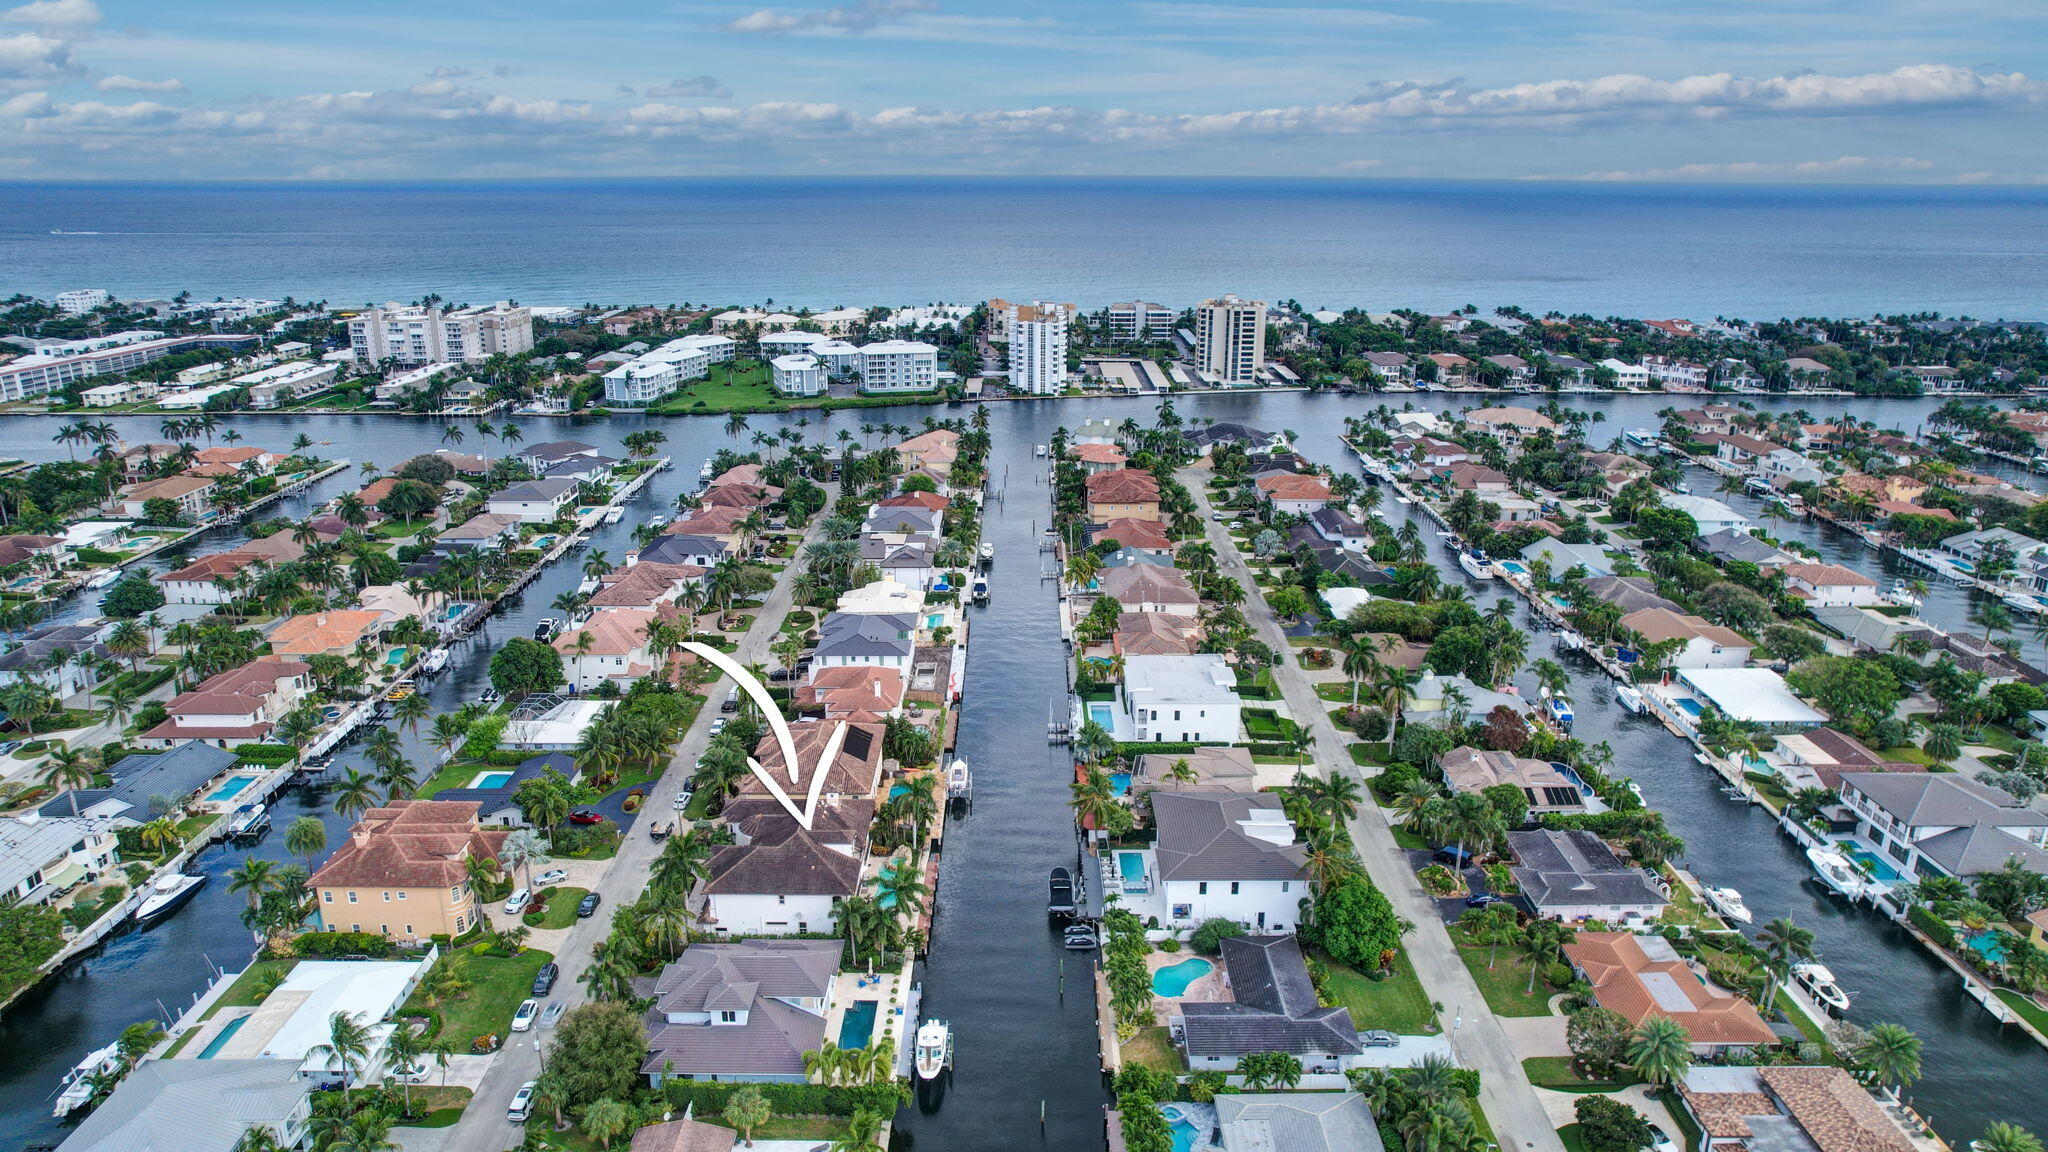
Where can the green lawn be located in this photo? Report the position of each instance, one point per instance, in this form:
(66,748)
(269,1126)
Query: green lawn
(1569,1135)
(2026,1007)
(1506,984)
(1555,1072)
(436,1105)
(496,985)
(1397,1004)
(791,1127)
(191,827)
(455,774)
(1154,1049)
(1908,753)
(1999,738)
(561,908)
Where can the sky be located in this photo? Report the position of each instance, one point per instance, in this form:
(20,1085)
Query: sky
(1862,91)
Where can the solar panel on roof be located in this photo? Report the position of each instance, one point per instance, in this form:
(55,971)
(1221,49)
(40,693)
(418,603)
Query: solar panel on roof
(859,742)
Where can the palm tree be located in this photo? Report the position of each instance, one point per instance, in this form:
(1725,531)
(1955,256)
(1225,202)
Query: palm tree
(1094,799)
(606,1119)
(253,877)
(306,838)
(1660,1051)
(1892,1053)
(348,1042)
(355,794)
(900,887)
(1542,942)
(70,769)
(1783,942)
(522,850)
(2002,1137)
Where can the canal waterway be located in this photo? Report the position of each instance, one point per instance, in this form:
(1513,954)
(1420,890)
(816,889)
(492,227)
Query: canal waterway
(995,970)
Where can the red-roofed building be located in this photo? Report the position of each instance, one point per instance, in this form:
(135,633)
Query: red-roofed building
(239,706)
(1123,492)
(1094,458)
(403,872)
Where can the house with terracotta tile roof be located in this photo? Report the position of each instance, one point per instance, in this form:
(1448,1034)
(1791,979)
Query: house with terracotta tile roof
(1829,585)
(935,450)
(1643,976)
(1134,534)
(334,633)
(745,496)
(931,501)
(1800,1108)
(1908,508)
(1095,458)
(1510,425)
(189,493)
(852,691)
(1123,492)
(853,774)
(1477,478)
(1154,634)
(645,585)
(403,871)
(238,706)
(1705,645)
(1144,588)
(200,582)
(738,474)
(609,645)
(1299,495)
(237,456)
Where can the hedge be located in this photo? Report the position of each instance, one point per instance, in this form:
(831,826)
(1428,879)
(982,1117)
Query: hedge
(1935,928)
(1159,747)
(273,755)
(342,944)
(791,1099)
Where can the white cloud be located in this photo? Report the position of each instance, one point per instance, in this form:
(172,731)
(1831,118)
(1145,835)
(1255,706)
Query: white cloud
(28,58)
(862,16)
(1747,170)
(131,84)
(1321,18)
(447,71)
(707,87)
(72,16)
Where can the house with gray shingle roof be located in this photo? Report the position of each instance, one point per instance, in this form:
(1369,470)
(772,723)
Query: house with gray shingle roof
(139,778)
(1296,1122)
(1227,854)
(778,887)
(1945,823)
(198,1106)
(1273,1008)
(1576,876)
(740,1010)
(867,640)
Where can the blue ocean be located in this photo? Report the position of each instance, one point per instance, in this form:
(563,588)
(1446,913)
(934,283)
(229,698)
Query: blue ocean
(1635,250)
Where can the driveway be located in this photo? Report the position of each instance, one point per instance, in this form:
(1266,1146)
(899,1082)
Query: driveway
(1518,1117)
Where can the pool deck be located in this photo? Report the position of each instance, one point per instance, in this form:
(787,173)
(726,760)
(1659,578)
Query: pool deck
(896,1026)
(1214,987)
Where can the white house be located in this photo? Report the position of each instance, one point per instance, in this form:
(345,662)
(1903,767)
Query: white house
(610,646)
(778,344)
(868,639)
(1942,824)
(789,887)
(1180,698)
(42,857)
(1710,514)
(534,501)
(1627,375)
(1228,854)
(1830,585)
(1705,645)
(798,374)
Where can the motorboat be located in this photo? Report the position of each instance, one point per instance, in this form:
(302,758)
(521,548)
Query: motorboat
(1728,902)
(706,472)
(934,1048)
(1838,872)
(615,513)
(1630,698)
(657,521)
(978,591)
(1561,711)
(2022,602)
(104,579)
(1041,450)
(167,894)
(1572,640)
(248,820)
(434,662)
(1902,594)
(546,628)
(1474,566)
(1060,897)
(959,782)
(988,551)
(78,1086)
(1820,984)
(1634,789)
(400,690)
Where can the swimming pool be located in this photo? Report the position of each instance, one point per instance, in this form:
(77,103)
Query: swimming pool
(1188,1125)
(857,1027)
(1102,713)
(1183,1134)
(454,611)
(231,788)
(491,780)
(1691,706)
(1120,782)
(1513,567)
(221,1038)
(1130,867)
(1986,943)
(1174,979)
(397,656)
(896,790)
(1870,860)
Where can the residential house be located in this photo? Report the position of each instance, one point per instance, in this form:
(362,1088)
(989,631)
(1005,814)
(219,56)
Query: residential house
(697,551)
(1574,372)
(1299,495)
(189,493)
(198,1106)
(1518,371)
(1703,645)
(684,1135)
(1739,449)
(533,501)
(1927,824)
(1142,588)
(912,561)
(904,520)
(1628,593)
(1731,545)
(43,857)
(538,458)
(1273,1008)
(1801,1108)
(403,871)
(1644,978)
(741,1010)
(1227,854)
(646,584)
(935,450)
(1575,876)
(489,531)
(787,886)
(1818,758)
(852,691)
(1937,377)
(1805,374)
(1452,370)
(1708,514)
(1122,492)
(1438,700)
(1627,376)
(239,706)
(1478,478)
(1296,1122)
(853,774)
(140,777)
(1251,439)
(48,552)
(1509,425)
(334,633)
(867,640)
(61,657)
(1675,374)
(1130,533)
(1094,458)
(207,580)
(1336,526)
(1153,634)
(1429,452)
(1389,367)
(1184,699)
(608,646)
(1563,557)
(1829,585)
(1547,786)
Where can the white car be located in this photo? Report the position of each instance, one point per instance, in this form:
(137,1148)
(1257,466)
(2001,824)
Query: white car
(551,876)
(681,801)
(523,1019)
(516,902)
(1661,1142)
(522,1103)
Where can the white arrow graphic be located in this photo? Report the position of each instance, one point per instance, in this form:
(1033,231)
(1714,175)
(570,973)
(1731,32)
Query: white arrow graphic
(758,692)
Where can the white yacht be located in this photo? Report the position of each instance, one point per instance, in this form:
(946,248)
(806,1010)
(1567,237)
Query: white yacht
(103,579)
(1838,873)
(1474,567)
(1728,902)
(1629,697)
(2025,602)
(78,1084)
(934,1049)
(434,661)
(167,894)
(615,513)
(988,551)
(1902,595)
(1634,789)
(959,782)
(1041,452)
(1820,984)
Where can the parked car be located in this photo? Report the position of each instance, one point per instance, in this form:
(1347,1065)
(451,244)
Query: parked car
(719,724)
(523,1019)
(553,1012)
(587,907)
(522,1103)
(681,801)
(732,700)
(551,876)
(1659,1141)
(544,980)
(1452,855)
(1378,1038)
(1216,516)
(516,902)
(1481,899)
(585,816)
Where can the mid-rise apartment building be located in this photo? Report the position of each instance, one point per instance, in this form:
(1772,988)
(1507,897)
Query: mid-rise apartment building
(432,335)
(1038,347)
(1136,320)
(79,301)
(648,378)
(55,363)
(798,374)
(899,366)
(1230,339)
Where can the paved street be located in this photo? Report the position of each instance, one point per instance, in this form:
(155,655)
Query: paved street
(1518,1115)
(483,1127)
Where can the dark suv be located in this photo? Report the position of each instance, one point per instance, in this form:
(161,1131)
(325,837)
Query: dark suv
(544,979)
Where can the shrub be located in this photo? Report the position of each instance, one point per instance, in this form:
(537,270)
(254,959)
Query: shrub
(1169,945)
(1208,938)
(269,755)
(709,1097)
(315,944)
(1934,927)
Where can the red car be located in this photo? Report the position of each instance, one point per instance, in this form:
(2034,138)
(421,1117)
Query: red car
(585,816)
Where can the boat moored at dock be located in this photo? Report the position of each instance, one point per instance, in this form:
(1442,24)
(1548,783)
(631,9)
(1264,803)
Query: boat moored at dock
(83,1081)
(1819,983)
(1838,873)
(934,1046)
(1728,902)
(167,894)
